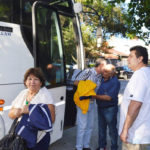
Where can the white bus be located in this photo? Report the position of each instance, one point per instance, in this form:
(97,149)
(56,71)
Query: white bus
(38,33)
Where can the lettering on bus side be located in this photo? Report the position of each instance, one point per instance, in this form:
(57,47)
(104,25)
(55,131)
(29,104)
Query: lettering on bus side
(5,31)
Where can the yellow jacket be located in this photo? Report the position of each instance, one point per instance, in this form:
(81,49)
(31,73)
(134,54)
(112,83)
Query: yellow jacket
(85,88)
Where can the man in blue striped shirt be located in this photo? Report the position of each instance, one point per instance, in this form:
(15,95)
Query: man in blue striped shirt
(85,121)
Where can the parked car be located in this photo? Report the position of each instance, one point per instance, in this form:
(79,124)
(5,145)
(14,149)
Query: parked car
(124,72)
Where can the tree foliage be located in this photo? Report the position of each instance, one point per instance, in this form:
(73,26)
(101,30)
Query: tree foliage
(100,13)
(138,17)
(89,41)
(68,40)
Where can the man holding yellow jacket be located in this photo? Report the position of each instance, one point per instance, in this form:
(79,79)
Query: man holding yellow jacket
(85,121)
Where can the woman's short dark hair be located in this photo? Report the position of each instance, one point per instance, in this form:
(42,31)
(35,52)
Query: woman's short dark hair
(37,72)
(140,51)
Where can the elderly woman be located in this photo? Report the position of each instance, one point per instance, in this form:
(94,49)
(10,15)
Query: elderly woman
(35,93)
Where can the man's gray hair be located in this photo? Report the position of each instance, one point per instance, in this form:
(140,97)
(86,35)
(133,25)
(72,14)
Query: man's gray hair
(100,61)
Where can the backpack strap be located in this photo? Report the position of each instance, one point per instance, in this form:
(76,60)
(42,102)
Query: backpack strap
(86,75)
(78,74)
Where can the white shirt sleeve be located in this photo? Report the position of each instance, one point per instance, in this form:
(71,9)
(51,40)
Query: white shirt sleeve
(19,100)
(137,86)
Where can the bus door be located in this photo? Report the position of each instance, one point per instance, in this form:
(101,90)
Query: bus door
(48,55)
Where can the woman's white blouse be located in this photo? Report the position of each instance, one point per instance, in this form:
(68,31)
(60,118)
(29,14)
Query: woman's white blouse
(43,96)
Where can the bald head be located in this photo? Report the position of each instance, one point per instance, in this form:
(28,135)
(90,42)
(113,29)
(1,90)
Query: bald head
(109,67)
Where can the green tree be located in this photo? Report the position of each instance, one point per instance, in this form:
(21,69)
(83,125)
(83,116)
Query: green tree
(100,13)
(89,41)
(112,19)
(138,17)
(69,40)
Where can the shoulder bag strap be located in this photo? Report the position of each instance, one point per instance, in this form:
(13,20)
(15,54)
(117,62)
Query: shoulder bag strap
(88,74)
(78,74)
(13,126)
(85,76)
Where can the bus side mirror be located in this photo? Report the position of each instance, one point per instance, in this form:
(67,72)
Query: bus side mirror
(78,7)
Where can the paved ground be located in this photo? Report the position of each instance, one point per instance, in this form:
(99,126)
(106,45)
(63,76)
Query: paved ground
(69,137)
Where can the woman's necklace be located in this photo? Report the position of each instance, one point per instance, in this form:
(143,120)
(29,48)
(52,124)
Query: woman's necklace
(29,97)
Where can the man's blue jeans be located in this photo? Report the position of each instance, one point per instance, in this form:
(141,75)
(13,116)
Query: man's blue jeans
(107,117)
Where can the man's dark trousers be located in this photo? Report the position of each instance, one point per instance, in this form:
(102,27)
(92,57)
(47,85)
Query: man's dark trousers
(107,117)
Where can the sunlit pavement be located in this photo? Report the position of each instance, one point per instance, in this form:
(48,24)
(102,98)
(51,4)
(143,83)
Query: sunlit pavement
(67,142)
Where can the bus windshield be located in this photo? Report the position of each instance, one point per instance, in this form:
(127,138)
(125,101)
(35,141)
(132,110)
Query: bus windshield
(49,45)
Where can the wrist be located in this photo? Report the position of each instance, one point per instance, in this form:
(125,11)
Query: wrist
(125,129)
(18,114)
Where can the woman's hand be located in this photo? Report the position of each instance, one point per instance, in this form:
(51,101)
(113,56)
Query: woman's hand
(15,113)
(25,109)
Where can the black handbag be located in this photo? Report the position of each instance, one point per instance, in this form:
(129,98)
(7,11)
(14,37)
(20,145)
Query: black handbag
(12,141)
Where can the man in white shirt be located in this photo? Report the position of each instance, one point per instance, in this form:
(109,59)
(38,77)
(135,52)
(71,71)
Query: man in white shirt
(134,127)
